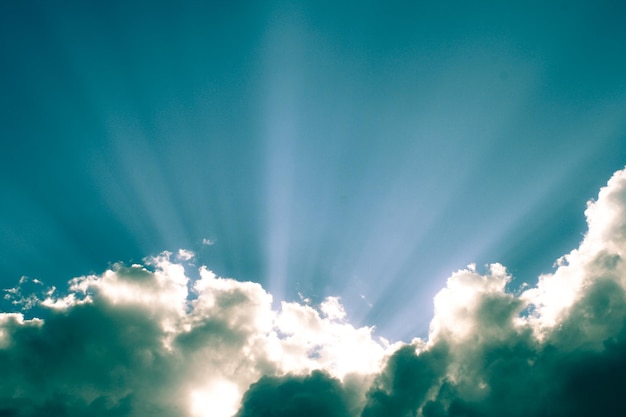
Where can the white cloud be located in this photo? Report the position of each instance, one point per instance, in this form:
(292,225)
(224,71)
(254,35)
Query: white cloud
(212,346)
(599,257)
(332,308)
(456,305)
(185,255)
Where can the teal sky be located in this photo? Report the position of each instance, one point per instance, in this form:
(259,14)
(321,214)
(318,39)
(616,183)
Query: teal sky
(361,149)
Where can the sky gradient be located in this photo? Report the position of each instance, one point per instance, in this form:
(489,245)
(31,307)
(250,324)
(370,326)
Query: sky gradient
(362,150)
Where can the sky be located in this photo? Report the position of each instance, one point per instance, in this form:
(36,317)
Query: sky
(274,186)
(361,150)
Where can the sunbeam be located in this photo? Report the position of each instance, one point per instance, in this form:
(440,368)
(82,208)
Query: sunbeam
(388,190)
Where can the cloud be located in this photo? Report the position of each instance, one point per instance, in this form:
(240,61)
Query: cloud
(185,255)
(557,349)
(332,308)
(146,339)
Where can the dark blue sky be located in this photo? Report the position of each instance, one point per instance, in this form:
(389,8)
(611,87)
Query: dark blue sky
(366,149)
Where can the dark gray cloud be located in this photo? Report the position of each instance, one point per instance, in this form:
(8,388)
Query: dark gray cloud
(406,381)
(145,340)
(317,394)
(89,359)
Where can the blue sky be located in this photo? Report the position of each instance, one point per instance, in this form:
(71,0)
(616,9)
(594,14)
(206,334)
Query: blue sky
(365,150)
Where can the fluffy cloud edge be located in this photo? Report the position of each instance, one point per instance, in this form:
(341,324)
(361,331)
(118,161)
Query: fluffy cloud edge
(221,335)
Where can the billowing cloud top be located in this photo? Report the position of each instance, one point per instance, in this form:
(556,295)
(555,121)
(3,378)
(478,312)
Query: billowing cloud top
(146,340)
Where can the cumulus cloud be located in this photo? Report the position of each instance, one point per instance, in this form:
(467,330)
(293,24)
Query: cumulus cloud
(557,349)
(146,339)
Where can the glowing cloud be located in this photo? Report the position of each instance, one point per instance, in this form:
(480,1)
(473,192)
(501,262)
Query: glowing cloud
(134,339)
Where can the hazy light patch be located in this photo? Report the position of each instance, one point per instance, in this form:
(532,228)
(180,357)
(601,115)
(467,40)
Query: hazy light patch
(219,399)
(310,341)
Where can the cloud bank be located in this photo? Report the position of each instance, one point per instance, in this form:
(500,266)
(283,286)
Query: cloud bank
(147,340)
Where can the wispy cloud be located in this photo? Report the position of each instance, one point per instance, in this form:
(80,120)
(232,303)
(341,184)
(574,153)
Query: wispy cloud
(146,339)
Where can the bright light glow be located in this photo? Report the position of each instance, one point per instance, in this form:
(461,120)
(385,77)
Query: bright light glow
(333,309)
(219,399)
(312,342)
(455,305)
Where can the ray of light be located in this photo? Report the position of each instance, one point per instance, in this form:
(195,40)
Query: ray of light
(281,121)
